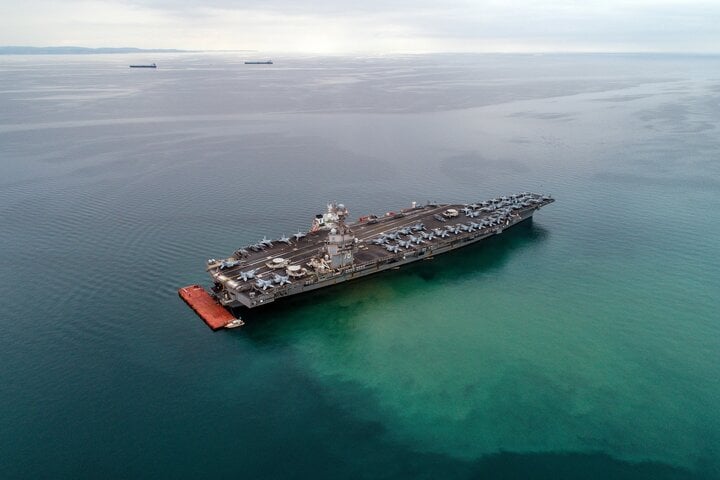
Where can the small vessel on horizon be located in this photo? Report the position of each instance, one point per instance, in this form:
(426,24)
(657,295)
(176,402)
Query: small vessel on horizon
(149,65)
(264,62)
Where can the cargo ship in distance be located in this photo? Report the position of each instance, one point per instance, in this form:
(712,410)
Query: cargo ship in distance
(335,250)
(149,65)
(263,62)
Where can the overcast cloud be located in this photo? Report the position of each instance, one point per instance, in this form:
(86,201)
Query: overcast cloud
(369,26)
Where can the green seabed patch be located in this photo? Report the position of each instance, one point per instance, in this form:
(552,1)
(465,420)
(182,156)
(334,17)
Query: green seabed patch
(572,465)
(497,346)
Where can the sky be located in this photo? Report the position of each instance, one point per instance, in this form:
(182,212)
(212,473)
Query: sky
(368,26)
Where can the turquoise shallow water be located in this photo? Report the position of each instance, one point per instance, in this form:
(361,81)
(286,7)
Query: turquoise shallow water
(581,345)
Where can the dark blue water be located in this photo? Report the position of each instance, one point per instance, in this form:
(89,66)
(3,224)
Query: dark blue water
(582,345)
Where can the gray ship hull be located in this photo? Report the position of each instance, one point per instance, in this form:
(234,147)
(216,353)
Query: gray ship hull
(232,290)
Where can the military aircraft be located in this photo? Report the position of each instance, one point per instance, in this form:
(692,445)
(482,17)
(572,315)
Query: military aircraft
(265,242)
(418,227)
(428,236)
(256,247)
(454,229)
(281,279)
(466,210)
(242,252)
(248,274)
(299,235)
(392,248)
(264,284)
(405,243)
(473,214)
(229,264)
(392,235)
(465,228)
(379,241)
(414,239)
(474,225)
(404,231)
(284,239)
(440,232)
(439,218)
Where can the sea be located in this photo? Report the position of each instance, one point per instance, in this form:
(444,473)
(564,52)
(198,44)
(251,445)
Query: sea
(582,345)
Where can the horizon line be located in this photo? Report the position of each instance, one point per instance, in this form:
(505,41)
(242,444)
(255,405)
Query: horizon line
(90,50)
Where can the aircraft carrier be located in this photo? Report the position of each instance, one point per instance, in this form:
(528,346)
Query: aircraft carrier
(335,250)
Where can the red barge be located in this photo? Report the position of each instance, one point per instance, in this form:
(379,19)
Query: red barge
(207,308)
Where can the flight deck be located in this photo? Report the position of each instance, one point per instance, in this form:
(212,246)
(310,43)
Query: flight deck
(335,251)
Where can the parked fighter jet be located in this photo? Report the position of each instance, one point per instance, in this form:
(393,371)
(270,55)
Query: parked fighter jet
(405,244)
(392,248)
(428,236)
(229,264)
(281,279)
(248,274)
(379,241)
(299,235)
(265,242)
(418,227)
(440,232)
(264,284)
(284,239)
(414,239)
(404,231)
(392,235)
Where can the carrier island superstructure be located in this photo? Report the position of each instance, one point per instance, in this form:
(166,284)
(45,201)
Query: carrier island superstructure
(336,250)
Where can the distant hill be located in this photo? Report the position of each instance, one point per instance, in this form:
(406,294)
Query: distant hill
(18,50)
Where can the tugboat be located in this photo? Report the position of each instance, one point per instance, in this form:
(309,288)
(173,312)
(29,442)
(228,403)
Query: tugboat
(235,323)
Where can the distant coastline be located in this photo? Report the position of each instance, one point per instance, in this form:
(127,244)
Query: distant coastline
(22,50)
